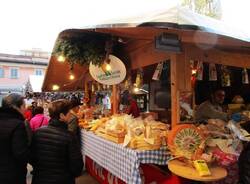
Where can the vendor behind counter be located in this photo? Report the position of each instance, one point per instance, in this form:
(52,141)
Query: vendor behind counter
(212,108)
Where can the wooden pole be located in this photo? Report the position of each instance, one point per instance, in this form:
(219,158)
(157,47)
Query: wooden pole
(175,116)
(114,100)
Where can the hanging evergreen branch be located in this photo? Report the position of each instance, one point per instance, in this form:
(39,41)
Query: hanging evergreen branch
(82,49)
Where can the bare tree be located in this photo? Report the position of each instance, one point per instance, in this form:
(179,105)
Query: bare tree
(210,8)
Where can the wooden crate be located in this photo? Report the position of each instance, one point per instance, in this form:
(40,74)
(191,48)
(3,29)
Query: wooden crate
(118,140)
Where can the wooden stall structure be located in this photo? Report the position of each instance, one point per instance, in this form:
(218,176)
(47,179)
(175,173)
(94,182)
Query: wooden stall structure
(138,42)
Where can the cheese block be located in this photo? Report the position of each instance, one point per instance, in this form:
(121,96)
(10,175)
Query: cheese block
(202,168)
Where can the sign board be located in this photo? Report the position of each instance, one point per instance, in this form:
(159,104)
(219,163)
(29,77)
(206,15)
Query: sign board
(115,75)
(149,174)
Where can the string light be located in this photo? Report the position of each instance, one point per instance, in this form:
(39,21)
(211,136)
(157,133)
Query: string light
(55,87)
(71,74)
(194,71)
(136,89)
(108,67)
(61,58)
(71,77)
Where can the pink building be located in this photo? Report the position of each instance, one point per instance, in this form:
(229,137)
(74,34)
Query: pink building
(16,69)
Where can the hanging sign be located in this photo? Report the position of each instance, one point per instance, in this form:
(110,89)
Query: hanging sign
(212,72)
(245,79)
(114,75)
(158,70)
(149,174)
(225,77)
(199,70)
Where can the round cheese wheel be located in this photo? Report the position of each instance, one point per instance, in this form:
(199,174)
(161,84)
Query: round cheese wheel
(184,140)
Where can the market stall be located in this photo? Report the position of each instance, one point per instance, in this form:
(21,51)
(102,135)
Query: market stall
(139,45)
(122,162)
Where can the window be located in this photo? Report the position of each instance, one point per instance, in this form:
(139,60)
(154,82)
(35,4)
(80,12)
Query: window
(38,72)
(1,73)
(14,73)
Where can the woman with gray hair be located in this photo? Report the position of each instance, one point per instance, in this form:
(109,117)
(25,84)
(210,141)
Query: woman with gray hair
(14,151)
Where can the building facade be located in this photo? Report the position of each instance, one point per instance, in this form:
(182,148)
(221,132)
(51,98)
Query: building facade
(16,69)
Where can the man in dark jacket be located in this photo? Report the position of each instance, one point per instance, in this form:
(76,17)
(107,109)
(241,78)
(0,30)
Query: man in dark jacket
(55,154)
(244,165)
(14,150)
(73,123)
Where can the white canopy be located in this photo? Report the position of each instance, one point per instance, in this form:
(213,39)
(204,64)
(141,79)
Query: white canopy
(179,17)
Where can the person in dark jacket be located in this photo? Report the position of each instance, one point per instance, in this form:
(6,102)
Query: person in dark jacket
(14,150)
(73,123)
(244,165)
(55,154)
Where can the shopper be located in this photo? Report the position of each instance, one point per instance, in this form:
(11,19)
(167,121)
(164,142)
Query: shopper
(28,113)
(244,165)
(131,105)
(39,119)
(73,123)
(33,106)
(14,151)
(55,154)
(75,107)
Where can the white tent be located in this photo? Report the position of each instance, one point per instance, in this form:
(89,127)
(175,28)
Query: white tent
(180,18)
(35,83)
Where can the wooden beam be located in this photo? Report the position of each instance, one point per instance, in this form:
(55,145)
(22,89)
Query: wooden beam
(199,37)
(147,55)
(114,99)
(186,36)
(174,90)
(217,56)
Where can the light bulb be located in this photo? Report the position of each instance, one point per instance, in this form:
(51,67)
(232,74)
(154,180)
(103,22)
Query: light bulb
(194,71)
(108,67)
(61,58)
(136,89)
(55,87)
(71,77)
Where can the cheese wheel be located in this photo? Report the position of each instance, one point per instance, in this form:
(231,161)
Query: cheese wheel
(184,140)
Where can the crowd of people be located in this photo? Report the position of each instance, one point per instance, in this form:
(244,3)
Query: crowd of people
(50,144)
(44,133)
(47,136)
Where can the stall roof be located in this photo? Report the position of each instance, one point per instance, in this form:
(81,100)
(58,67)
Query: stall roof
(179,17)
(58,74)
(192,28)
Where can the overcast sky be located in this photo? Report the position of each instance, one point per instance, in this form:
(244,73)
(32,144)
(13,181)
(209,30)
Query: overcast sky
(27,24)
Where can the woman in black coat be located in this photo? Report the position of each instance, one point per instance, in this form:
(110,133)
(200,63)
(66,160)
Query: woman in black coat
(55,154)
(14,151)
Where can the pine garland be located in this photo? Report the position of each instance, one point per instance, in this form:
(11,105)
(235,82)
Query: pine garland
(82,49)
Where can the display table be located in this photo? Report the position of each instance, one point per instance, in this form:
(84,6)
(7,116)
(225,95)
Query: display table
(182,169)
(122,162)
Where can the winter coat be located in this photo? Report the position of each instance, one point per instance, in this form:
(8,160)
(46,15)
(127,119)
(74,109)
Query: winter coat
(74,128)
(244,165)
(14,150)
(38,121)
(55,155)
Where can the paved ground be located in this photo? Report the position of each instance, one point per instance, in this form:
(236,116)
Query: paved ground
(84,179)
